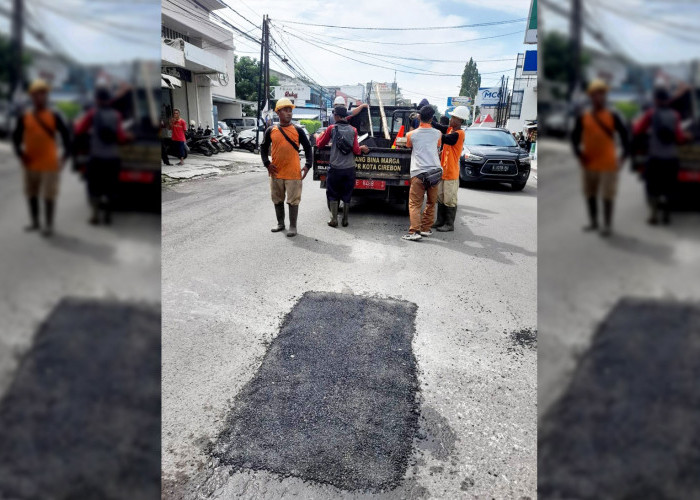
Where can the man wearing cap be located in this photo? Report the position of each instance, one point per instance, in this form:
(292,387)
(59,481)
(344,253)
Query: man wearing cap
(353,117)
(285,171)
(593,141)
(340,180)
(35,144)
(452,141)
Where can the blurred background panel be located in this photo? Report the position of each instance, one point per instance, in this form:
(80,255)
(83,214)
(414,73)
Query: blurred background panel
(79,224)
(595,350)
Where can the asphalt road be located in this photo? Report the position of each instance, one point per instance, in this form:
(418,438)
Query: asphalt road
(583,276)
(79,371)
(228,284)
(120,262)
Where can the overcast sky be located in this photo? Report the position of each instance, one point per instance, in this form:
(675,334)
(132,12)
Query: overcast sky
(95,31)
(332,69)
(649,31)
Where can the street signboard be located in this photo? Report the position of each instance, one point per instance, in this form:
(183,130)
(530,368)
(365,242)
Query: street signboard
(530,63)
(296,93)
(459,101)
(531,28)
(488,96)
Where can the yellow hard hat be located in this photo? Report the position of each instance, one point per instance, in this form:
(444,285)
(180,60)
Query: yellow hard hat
(39,85)
(284,103)
(596,85)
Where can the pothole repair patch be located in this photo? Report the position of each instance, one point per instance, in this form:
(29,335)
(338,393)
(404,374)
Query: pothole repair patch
(81,418)
(335,399)
(628,426)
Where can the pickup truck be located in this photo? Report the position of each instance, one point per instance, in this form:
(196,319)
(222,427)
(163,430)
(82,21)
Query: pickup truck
(385,172)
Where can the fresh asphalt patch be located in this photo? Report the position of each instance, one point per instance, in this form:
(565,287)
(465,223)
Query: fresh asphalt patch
(81,419)
(335,399)
(627,427)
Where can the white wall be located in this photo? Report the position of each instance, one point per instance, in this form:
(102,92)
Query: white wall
(230,89)
(528,112)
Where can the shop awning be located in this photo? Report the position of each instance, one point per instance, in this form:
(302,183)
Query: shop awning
(170,82)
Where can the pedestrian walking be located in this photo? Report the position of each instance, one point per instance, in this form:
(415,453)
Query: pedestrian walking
(35,144)
(594,145)
(340,179)
(104,125)
(661,173)
(426,173)
(448,188)
(178,126)
(286,176)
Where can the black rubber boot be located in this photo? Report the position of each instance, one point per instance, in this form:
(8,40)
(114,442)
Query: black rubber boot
(293,213)
(333,205)
(440,215)
(346,211)
(33,214)
(592,204)
(279,212)
(49,206)
(607,216)
(449,225)
(653,211)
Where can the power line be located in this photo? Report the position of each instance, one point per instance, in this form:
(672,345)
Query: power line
(393,56)
(424,73)
(419,28)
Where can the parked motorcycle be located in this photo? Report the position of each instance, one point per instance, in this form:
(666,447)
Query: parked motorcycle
(197,141)
(247,142)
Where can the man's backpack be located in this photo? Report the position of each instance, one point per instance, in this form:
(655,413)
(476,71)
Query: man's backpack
(663,130)
(105,128)
(344,138)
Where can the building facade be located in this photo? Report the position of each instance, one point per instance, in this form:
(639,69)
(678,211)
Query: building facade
(197,63)
(523,104)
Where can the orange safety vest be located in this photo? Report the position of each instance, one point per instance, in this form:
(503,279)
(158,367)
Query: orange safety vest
(450,157)
(598,141)
(40,145)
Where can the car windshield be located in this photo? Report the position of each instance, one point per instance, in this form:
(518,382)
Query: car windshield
(488,138)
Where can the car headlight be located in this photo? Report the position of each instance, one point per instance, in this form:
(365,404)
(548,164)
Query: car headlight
(469,156)
(525,160)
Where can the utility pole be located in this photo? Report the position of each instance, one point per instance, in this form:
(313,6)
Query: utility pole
(267,61)
(17,44)
(261,101)
(575,28)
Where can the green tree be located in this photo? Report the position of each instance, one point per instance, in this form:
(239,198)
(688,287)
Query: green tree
(471,80)
(556,51)
(247,71)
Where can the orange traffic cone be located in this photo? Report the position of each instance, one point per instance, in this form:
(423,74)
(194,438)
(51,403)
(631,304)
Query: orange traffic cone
(400,134)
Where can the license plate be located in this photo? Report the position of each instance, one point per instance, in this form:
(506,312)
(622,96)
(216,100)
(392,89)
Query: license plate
(370,184)
(136,176)
(500,168)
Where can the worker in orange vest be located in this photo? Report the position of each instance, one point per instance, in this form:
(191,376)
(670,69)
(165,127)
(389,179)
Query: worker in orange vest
(452,141)
(36,146)
(594,144)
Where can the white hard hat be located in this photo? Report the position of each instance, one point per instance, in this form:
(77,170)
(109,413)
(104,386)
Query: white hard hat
(339,101)
(461,112)
(192,122)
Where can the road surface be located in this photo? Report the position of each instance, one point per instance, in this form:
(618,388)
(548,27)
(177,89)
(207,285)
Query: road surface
(233,292)
(582,276)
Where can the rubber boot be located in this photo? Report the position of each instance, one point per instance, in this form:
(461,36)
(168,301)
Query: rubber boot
(95,211)
(33,214)
(665,211)
(293,213)
(653,211)
(440,215)
(107,212)
(49,206)
(346,211)
(279,212)
(449,225)
(607,216)
(334,213)
(592,204)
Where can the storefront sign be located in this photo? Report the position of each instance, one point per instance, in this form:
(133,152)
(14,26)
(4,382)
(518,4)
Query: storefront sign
(488,96)
(293,92)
